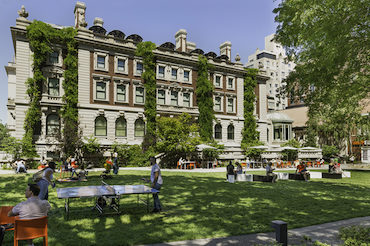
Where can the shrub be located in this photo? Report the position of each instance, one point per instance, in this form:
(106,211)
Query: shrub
(355,235)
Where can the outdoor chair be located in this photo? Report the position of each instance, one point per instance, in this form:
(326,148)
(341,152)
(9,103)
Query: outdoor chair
(31,229)
(178,165)
(191,164)
(4,219)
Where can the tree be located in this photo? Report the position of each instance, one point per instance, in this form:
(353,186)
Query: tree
(204,93)
(291,154)
(329,41)
(176,137)
(249,132)
(9,144)
(145,50)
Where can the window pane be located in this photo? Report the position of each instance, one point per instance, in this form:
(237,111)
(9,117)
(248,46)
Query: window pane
(101,126)
(54,57)
(230,132)
(52,125)
(230,83)
(121,65)
(218,81)
(230,105)
(139,68)
(174,73)
(186,75)
(139,98)
(161,71)
(121,127)
(100,90)
(174,97)
(186,102)
(101,62)
(121,93)
(218,103)
(139,128)
(161,97)
(53,87)
(218,131)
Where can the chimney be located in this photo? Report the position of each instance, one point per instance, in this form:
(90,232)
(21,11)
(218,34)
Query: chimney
(225,49)
(79,11)
(180,38)
(98,22)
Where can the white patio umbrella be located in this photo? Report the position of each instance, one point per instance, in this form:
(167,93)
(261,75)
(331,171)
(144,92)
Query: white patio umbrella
(289,148)
(259,147)
(201,147)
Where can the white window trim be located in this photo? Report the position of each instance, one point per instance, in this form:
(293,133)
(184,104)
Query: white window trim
(190,99)
(165,99)
(214,105)
(227,83)
(99,78)
(165,69)
(177,74)
(60,58)
(106,65)
(227,104)
(135,65)
(138,86)
(125,82)
(178,98)
(214,80)
(182,72)
(116,64)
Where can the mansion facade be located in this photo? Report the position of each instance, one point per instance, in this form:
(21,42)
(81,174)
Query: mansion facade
(111,94)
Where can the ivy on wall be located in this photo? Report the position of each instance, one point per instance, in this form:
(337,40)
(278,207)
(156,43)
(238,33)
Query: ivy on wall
(204,93)
(249,133)
(145,50)
(42,37)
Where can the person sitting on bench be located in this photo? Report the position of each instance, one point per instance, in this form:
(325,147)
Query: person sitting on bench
(301,168)
(230,169)
(269,172)
(239,169)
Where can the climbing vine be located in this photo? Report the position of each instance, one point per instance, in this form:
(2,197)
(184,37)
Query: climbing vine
(42,37)
(145,50)
(204,93)
(249,133)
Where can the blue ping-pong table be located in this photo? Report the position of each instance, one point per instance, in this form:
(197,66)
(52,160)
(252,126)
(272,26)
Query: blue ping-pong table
(108,193)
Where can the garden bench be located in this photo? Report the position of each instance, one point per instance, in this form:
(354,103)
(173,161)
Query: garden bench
(297,176)
(263,178)
(331,175)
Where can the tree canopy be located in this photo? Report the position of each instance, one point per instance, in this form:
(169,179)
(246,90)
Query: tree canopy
(329,41)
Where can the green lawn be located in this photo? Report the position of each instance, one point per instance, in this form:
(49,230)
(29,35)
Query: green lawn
(197,205)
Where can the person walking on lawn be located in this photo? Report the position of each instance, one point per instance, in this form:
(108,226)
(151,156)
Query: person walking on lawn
(156,183)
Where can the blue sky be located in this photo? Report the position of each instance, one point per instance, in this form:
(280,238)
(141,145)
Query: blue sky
(209,23)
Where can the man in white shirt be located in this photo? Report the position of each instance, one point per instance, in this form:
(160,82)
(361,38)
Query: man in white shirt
(32,208)
(20,166)
(156,183)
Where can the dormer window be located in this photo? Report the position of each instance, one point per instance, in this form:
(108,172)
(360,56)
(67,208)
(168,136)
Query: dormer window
(54,57)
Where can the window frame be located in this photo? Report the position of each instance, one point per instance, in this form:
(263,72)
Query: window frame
(183,99)
(51,127)
(233,83)
(125,128)
(218,134)
(95,126)
(233,105)
(136,73)
(164,97)
(56,87)
(160,75)
(136,128)
(117,58)
(176,76)
(230,135)
(214,104)
(215,79)
(136,95)
(173,92)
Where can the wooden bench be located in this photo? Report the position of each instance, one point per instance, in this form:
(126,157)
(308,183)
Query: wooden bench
(262,178)
(297,176)
(331,175)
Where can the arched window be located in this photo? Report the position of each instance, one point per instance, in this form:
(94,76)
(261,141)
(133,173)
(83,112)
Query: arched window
(52,124)
(230,132)
(218,131)
(100,126)
(139,128)
(121,127)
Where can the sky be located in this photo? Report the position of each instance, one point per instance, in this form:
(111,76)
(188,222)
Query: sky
(208,23)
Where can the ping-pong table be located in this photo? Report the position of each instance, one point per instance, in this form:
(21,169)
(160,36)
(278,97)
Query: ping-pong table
(108,193)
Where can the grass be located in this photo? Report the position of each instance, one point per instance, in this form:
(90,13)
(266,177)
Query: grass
(197,205)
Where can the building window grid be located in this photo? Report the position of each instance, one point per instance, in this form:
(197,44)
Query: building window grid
(218,104)
(186,99)
(54,57)
(218,81)
(121,127)
(53,87)
(100,126)
(121,93)
(161,94)
(174,98)
(230,105)
(101,90)
(139,95)
(100,61)
(121,63)
(186,76)
(161,70)
(139,68)
(174,73)
(230,83)
(218,131)
(139,128)
(52,124)
(230,132)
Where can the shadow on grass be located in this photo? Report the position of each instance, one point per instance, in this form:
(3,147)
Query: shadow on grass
(198,205)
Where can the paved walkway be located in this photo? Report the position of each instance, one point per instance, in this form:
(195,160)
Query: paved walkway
(325,233)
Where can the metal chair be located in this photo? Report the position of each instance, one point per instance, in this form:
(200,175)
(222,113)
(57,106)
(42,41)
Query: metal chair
(31,229)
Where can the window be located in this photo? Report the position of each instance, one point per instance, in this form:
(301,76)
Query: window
(218,131)
(100,126)
(278,131)
(230,83)
(121,65)
(54,57)
(101,90)
(121,127)
(186,99)
(161,71)
(139,68)
(121,93)
(218,81)
(139,95)
(174,73)
(174,98)
(101,62)
(186,75)
(276,85)
(230,105)
(218,104)
(53,87)
(230,132)
(161,97)
(139,128)
(52,124)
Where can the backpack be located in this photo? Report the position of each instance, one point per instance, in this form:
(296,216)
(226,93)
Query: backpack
(36,177)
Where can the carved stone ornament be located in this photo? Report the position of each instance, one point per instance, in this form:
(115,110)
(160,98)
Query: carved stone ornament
(237,58)
(22,12)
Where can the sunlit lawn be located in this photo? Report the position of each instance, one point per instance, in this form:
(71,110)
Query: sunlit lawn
(197,205)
